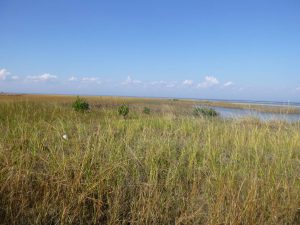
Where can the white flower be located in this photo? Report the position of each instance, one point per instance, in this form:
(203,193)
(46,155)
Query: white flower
(65,137)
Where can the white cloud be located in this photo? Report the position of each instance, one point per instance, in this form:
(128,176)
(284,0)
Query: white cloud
(171,85)
(229,83)
(89,79)
(162,83)
(187,82)
(42,78)
(14,77)
(129,81)
(298,88)
(3,74)
(208,82)
(72,78)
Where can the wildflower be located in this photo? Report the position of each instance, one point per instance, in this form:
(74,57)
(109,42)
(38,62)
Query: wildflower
(65,137)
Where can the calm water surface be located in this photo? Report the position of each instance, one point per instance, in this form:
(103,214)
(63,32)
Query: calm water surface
(265,116)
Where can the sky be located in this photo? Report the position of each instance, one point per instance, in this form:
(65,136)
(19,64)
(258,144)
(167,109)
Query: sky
(207,49)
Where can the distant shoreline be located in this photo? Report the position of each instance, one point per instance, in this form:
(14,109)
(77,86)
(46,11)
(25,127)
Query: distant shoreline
(254,102)
(260,106)
(233,101)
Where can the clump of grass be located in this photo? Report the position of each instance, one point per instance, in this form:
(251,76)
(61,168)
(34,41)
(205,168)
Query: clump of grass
(123,110)
(146,110)
(204,111)
(80,105)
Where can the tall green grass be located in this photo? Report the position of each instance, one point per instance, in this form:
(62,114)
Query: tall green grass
(161,168)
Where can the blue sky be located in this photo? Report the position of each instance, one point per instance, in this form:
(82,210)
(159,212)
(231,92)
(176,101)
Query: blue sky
(197,49)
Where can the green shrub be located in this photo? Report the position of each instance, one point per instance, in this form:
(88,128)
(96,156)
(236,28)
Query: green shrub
(146,110)
(80,105)
(123,110)
(203,111)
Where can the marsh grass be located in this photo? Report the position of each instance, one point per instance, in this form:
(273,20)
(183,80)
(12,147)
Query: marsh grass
(164,168)
(259,108)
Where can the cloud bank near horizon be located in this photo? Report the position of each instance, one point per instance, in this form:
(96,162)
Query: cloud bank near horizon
(207,85)
(207,82)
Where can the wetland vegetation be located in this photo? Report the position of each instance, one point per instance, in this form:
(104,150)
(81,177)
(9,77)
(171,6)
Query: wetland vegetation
(60,166)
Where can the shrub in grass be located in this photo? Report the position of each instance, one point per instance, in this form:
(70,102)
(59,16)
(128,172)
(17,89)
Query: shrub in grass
(123,110)
(146,110)
(80,105)
(203,111)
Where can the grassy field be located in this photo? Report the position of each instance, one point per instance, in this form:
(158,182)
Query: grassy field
(168,167)
(259,108)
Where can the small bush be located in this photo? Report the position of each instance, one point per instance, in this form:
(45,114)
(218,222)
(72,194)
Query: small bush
(80,105)
(146,110)
(123,110)
(207,112)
